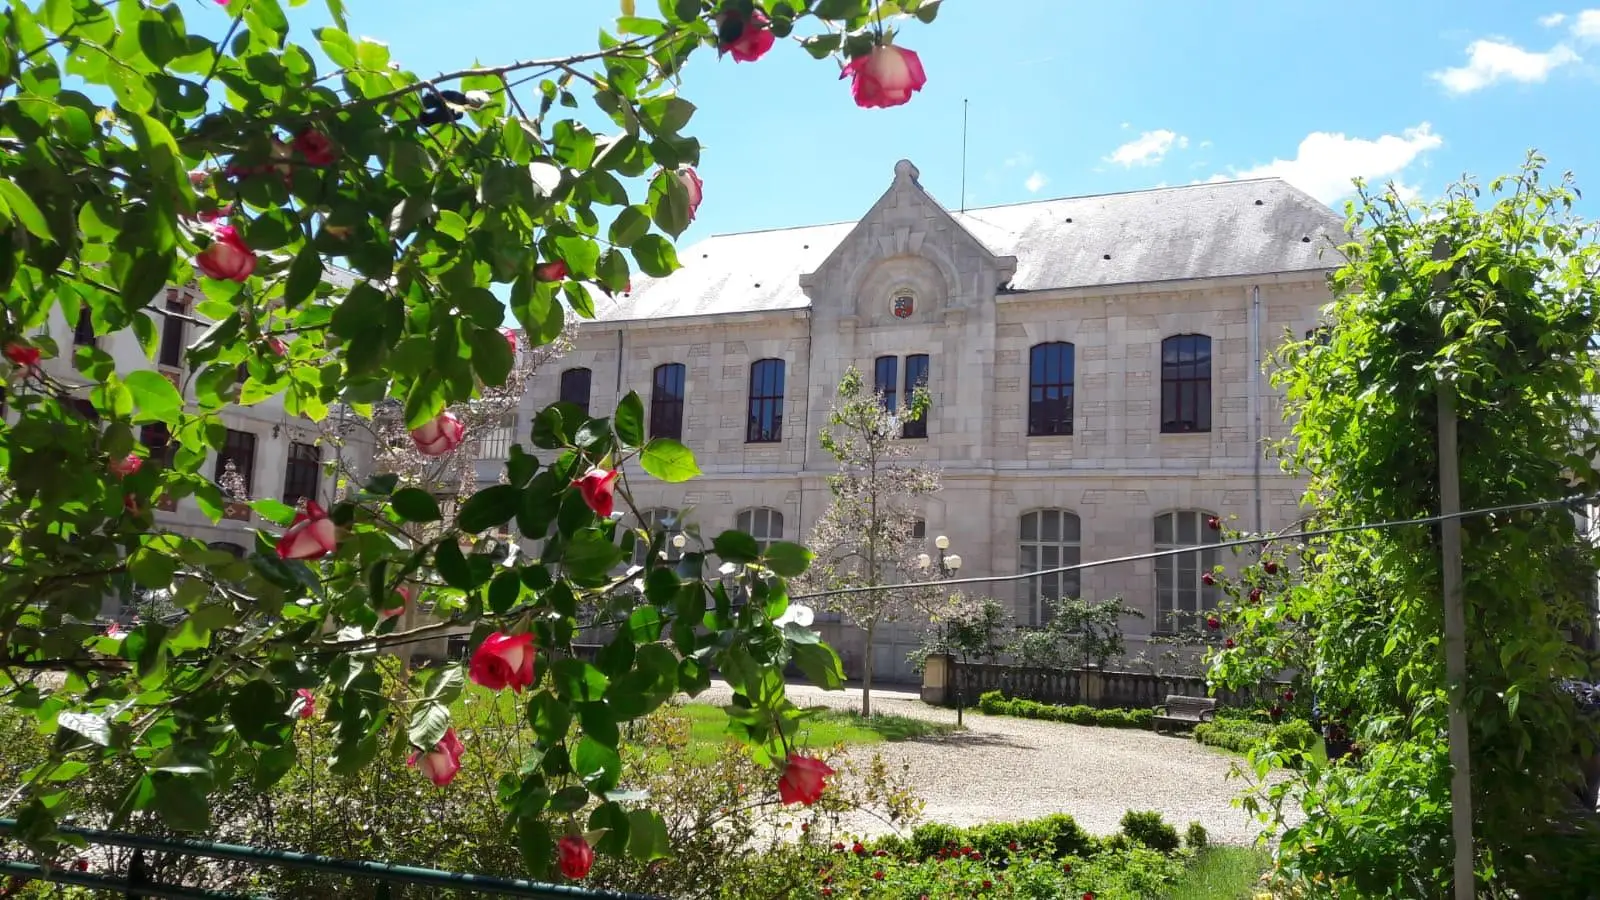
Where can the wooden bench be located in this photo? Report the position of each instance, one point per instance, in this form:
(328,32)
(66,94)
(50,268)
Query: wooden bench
(1184,711)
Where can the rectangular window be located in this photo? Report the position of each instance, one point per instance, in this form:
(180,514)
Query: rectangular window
(666,401)
(1050,376)
(1186,383)
(239,448)
(1182,596)
(916,377)
(575,388)
(171,353)
(495,443)
(766,402)
(886,380)
(158,440)
(303,474)
(83,332)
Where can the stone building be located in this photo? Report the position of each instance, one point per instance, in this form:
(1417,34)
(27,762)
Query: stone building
(1094,365)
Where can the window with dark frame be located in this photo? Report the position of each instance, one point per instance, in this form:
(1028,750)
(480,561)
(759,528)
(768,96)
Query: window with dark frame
(666,401)
(171,353)
(575,388)
(1050,375)
(916,377)
(302,476)
(239,447)
(158,440)
(1186,384)
(766,402)
(1182,596)
(886,380)
(83,407)
(83,332)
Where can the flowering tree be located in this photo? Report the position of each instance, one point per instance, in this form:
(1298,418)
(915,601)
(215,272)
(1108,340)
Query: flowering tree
(239,165)
(866,536)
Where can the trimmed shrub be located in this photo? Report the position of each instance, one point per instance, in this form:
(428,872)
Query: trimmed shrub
(1057,836)
(1293,738)
(1149,829)
(1195,838)
(997,704)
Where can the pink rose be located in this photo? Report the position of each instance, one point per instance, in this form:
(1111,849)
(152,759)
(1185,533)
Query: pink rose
(442,762)
(130,502)
(597,486)
(694,187)
(125,466)
(503,660)
(887,76)
(551,271)
(227,258)
(803,779)
(199,177)
(306,703)
(22,354)
(575,856)
(312,536)
(315,147)
(511,338)
(113,630)
(750,38)
(392,611)
(213,215)
(277,346)
(439,435)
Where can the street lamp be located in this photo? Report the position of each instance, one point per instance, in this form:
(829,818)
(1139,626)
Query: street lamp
(949,564)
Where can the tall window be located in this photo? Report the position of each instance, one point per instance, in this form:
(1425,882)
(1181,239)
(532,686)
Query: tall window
(1050,388)
(916,377)
(666,402)
(303,475)
(83,332)
(1181,596)
(1186,383)
(886,380)
(171,353)
(766,402)
(666,520)
(495,443)
(239,448)
(1049,539)
(575,388)
(763,524)
(158,440)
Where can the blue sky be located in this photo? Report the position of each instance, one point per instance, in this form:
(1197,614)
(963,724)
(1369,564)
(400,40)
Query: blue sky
(1070,97)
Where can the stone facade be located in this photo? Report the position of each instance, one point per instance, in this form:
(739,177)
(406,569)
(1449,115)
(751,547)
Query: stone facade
(1117,471)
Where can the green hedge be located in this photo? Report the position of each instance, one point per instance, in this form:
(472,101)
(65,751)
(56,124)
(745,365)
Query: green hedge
(1243,736)
(996,704)
(1057,836)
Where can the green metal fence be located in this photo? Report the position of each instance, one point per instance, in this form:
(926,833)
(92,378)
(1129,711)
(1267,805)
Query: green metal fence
(134,883)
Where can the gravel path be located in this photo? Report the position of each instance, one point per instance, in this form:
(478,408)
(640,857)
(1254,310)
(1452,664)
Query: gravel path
(1004,768)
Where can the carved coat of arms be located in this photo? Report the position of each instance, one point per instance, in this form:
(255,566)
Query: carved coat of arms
(904,305)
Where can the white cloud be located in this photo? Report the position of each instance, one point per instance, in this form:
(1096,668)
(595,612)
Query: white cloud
(1492,61)
(1326,161)
(1586,27)
(1204,144)
(1552,20)
(1020,158)
(1036,181)
(1148,148)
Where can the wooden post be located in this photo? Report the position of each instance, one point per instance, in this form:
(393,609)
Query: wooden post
(1455,623)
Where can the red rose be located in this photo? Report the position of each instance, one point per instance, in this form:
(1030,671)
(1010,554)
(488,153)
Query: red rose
(503,660)
(439,435)
(747,39)
(130,503)
(880,853)
(306,702)
(803,780)
(857,849)
(575,856)
(1213,623)
(878,874)
(596,486)
(827,892)
(277,346)
(1208,579)
(22,354)
(1270,567)
(311,536)
(839,847)
(315,147)
(1255,595)
(389,612)
(1012,846)
(887,76)
(125,466)
(987,884)
(551,271)
(442,762)
(226,258)
(1288,696)
(1228,643)
(1088,895)
(1213,523)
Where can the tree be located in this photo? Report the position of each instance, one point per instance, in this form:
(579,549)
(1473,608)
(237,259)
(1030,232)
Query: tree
(150,145)
(1079,632)
(970,629)
(866,536)
(1494,295)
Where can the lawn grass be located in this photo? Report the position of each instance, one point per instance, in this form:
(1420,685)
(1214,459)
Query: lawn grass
(1222,873)
(825,728)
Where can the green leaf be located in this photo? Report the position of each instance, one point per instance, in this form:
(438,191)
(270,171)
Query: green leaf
(629,422)
(93,728)
(452,565)
(428,724)
(549,718)
(612,819)
(820,665)
(489,508)
(647,836)
(491,356)
(590,556)
(788,559)
(504,591)
(338,46)
(152,567)
(535,845)
(414,505)
(668,460)
(631,224)
(655,256)
(736,546)
(598,765)
(155,396)
(18,206)
(304,276)
(181,801)
(576,679)
(360,309)
(258,711)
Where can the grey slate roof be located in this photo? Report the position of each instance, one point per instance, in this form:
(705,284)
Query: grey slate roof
(1210,230)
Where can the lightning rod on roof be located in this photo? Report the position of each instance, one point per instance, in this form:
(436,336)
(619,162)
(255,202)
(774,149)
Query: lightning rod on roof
(963,154)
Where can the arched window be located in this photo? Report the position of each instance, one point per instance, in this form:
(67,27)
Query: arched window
(1181,596)
(1186,383)
(575,388)
(1050,370)
(766,402)
(1049,539)
(661,519)
(666,401)
(763,524)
